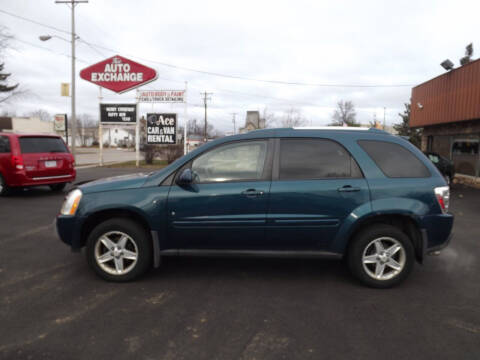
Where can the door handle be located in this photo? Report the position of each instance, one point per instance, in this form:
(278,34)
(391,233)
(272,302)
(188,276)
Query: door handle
(252,193)
(348,188)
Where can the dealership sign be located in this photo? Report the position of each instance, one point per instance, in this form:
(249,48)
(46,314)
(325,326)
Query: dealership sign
(118,113)
(166,96)
(161,128)
(118,74)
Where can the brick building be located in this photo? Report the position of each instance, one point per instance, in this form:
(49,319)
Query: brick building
(447,107)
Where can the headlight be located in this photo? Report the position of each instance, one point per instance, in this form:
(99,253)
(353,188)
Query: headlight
(70,205)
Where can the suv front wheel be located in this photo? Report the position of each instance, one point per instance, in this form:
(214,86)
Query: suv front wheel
(119,250)
(381,256)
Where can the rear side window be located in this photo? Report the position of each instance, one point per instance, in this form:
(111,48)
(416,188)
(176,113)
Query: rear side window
(303,159)
(4,144)
(394,160)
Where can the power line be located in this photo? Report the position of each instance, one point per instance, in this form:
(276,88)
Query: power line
(211,73)
(35,22)
(50,50)
(278,82)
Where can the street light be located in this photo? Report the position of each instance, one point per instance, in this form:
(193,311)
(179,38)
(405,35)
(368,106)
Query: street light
(447,64)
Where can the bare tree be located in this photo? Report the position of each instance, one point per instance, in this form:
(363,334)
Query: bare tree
(87,128)
(7,91)
(345,114)
(269,118)
(41,114)
(292,117)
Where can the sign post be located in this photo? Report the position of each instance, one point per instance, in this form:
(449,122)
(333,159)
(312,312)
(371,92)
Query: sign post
(137,137)
(185,125)
(100,127)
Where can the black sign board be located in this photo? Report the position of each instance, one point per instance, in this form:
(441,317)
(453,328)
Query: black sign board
(161,128)
(118,113)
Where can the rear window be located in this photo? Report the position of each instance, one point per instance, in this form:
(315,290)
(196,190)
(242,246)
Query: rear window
(304,159)
(4,144)
(31,145)
(394,160)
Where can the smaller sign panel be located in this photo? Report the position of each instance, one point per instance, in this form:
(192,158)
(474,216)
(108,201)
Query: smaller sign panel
(161,128)
(118,113)
(59,122)
(159,96)
(65,89)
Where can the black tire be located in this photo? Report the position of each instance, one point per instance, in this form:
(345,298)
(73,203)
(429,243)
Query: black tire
(58,187)
(4,188)
(137,234)
(363,241)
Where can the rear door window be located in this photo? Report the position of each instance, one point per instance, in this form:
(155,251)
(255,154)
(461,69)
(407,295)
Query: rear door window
(305,159)
(394,160)
(31,145)
(4,144)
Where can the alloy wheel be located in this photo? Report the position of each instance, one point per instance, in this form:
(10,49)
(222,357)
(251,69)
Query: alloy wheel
(116,253)
(384,258)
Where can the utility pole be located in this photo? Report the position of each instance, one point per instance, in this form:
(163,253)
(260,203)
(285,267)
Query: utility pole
(233,120)
(384,109)
(206,97)
(73,118)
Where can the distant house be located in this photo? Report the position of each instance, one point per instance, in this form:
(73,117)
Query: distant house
(118,136)
(252,122)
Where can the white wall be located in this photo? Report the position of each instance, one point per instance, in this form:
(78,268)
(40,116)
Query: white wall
(32,125)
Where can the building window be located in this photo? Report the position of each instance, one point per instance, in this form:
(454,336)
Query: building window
(465,147)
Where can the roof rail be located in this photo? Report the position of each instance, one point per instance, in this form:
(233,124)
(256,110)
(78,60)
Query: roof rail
(331,128)
(341,128)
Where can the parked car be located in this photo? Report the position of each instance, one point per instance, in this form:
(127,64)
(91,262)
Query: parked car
(444,165)
(363,195)
(31,160)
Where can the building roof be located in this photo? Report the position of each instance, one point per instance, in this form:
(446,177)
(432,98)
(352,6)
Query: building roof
(450,97)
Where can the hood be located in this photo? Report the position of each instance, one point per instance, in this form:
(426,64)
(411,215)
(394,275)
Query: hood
(122,182)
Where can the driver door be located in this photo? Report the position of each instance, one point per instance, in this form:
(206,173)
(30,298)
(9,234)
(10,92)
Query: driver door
(225,207)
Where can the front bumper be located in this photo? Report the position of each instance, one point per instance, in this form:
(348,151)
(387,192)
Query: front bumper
(69,230)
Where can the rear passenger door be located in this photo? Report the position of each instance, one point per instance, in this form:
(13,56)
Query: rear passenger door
(316,184)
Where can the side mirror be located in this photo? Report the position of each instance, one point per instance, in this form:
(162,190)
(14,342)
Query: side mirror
(186,177)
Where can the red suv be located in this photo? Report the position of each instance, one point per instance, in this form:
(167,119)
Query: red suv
(30,160)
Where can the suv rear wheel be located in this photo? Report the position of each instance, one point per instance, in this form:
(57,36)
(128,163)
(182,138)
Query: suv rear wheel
(4,189)
(119,250)
(381,256)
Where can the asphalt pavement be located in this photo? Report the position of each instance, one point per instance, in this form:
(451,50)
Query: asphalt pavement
(53,307)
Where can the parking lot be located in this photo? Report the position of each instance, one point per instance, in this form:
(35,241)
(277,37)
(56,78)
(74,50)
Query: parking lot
(53,307)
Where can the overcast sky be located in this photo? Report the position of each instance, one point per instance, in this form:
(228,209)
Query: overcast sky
(321,42)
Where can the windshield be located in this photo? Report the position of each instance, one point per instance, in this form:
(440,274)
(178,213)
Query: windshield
(31,145)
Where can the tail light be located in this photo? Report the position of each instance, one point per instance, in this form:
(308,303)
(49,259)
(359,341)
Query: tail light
(17,162)
(442,194)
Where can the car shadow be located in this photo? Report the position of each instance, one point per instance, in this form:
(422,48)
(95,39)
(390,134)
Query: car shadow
(261,269)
